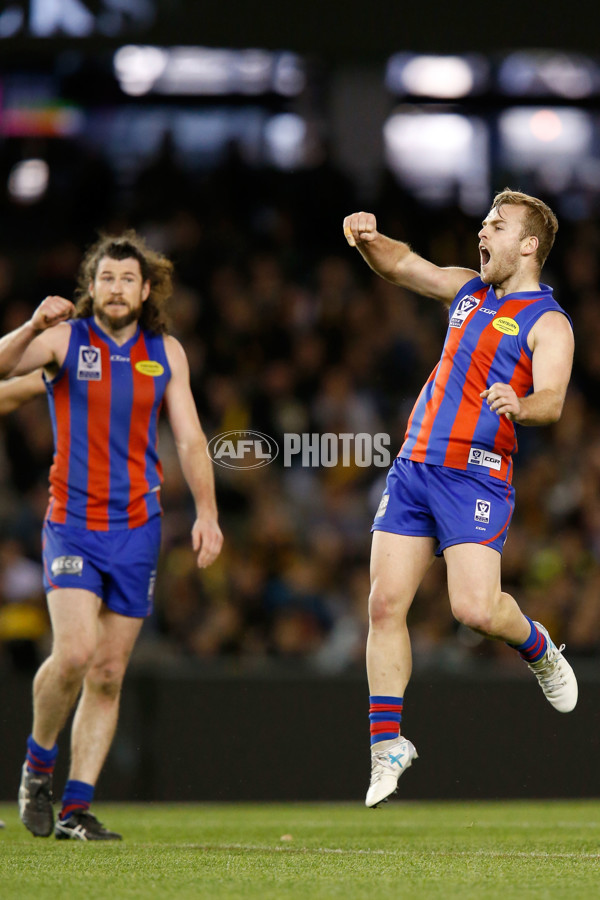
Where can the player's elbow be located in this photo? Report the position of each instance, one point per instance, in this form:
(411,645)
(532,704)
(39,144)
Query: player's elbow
(544,410)
(554,410)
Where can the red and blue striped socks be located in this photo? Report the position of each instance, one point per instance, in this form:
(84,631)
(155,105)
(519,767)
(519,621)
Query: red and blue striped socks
(385,715)
(78,795)
(40,760)
(534,647)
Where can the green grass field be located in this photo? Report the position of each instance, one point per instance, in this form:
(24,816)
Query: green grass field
(417,850)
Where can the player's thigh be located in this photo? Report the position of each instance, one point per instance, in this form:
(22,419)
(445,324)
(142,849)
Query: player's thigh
(473,576)
(74,619)
(398,564)
(117,637)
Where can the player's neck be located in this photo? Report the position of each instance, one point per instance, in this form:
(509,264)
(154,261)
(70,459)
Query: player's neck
(517,283)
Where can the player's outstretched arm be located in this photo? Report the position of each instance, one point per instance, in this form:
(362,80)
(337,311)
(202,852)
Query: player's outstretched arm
(15,392)
(551,340)
(396,262)
(36,344)
(196,464)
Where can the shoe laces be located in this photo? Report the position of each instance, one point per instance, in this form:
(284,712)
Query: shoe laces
(380,762)
(548,670)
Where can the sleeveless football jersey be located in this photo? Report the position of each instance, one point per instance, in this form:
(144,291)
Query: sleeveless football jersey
(450,424)
(104,404)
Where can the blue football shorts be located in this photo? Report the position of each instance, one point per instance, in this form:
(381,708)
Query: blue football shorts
(118,566)
(450,505)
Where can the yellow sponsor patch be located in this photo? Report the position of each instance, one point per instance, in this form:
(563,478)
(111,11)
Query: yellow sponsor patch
(506,326)
(150,367)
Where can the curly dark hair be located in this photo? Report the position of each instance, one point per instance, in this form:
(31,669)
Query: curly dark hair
(154,267)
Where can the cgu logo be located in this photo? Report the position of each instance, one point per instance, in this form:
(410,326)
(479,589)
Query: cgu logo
(242,450)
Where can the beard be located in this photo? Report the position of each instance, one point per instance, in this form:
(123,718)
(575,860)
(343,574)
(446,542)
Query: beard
(117,322)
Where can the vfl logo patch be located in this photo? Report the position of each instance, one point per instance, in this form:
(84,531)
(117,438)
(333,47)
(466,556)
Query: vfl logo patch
(485,458)
(463,309)
(149,367)
(89,364)
(482,511)
(506,326)
(382,506)
(67,565)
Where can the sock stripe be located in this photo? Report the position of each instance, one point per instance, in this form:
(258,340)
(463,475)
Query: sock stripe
(77,795)
(378,727)
(385,707)
(534,648)
(385,715)
(71,807)
(39,759)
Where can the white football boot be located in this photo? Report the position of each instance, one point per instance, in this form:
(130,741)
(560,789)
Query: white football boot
(555,675)
(387,765)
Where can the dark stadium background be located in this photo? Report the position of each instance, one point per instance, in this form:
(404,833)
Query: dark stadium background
(249,679)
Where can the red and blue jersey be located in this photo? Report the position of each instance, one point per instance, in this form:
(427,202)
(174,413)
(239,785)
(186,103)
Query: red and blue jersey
(450,424)
(104,404)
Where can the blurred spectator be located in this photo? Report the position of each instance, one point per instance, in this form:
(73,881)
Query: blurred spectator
(23,617)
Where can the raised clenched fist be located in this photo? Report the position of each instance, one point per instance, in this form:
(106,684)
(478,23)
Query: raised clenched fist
(52,311)
(360,227)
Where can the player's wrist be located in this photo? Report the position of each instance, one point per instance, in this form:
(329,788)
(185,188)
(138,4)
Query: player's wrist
(33,328)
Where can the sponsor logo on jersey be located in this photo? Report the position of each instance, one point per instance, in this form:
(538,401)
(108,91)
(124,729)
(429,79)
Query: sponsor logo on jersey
(149,367)
(506,326)
(116,358)
(382,506)
(89,364)
(67,565)
(464,307)
(482,511)
(480,457)
(488,312)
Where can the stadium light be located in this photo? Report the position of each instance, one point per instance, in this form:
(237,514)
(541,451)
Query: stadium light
(285,139)
(436,154)
(28,180)
(541,72)
(530,135)
(205,71)
(440,77)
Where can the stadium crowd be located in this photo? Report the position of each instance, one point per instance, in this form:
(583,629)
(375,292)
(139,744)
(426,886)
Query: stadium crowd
(287,331)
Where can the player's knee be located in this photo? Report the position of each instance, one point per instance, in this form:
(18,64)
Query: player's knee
(106,679)
(384,607)
(475,613)
(74,663)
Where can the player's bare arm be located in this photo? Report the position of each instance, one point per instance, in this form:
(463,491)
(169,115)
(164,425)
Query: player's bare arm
(15,392)
(552,344)
(41,342)
(396,262)
(196,464)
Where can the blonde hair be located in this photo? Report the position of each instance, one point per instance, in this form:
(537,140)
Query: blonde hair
(538,220)
(155,268)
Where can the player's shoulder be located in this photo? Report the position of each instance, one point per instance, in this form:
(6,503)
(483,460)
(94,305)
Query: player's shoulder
(175,353)
(471,285)
(554,320)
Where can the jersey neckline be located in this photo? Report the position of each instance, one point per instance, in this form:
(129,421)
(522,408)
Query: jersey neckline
(106,337)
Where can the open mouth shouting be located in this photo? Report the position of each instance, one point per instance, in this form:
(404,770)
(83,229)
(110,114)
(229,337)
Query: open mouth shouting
(484,255)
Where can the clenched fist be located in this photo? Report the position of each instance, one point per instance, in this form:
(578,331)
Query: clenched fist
(51,311)
(502,399)
(360,227)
